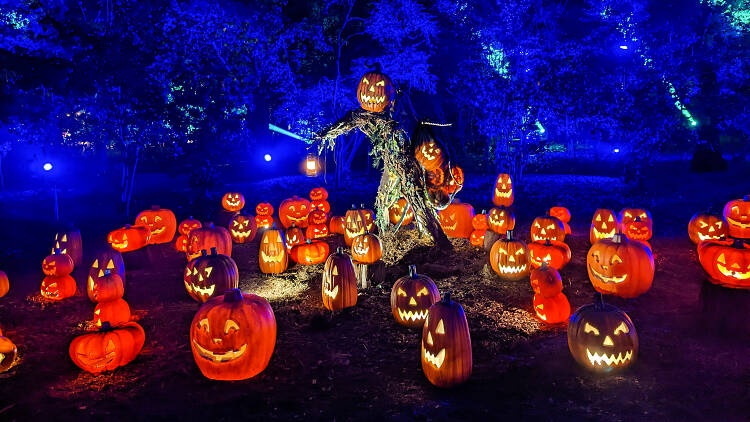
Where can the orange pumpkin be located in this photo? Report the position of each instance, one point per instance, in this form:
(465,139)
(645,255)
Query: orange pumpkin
(552,310)
(106,259)
(706,226)
(161,223)
(116,311)
(181,243)
(636,223)
(620,267)
(400,210)
(446,344)
(354,224)
(456,219)
(210,275)
(411,298)
(129,238)
(366,248)
(727,262)
(503,195)
(336,225)
(435,177)
(563,214)
(4,284)
(108,348)
(242,228)
(316,231)
(58,287)
(264,215)
(294,210)
(556,254)
(318,194)
(310,252)
(547,227)
(737,215)
(477,237)
(604,225)
(207,237)
(480,222)
(320,206)
(273,257)
(509,258)
(429,152)
(339,285)
(375,91)
(8,353)
(294,236)
(57,264)
(188,225)
(105,286)
(233,201)
(317,217)
(456,182)
(545,281)
(501,219)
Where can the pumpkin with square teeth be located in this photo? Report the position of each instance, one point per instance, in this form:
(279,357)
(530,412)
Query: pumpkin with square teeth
(58,287)
(310,252)
(8,353)
(446,344)
(563,214)
(339,285)
(242,228)
(129,238)
(108,348)
(501,219)
(411,298)
(547,227)
(509,258)
(273,257)
(556,254)
(604,225)
(69,242)
(57,264)
(375,91)
(105,285)
(636,223)
(706,226)
(232,337)
(207,237)
(116,311)
(161,222)
(502,194)
(401,210)
(209,275)
(233,201)
(366,248)
(727,262)
(294,210)
(602,338)
(620,267)
(456,219)
(104,260)
(737,216)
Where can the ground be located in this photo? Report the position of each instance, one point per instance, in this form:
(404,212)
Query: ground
(359,364)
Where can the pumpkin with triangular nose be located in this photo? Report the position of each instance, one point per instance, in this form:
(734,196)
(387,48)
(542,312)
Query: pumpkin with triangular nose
(107,259)
(411,298)
(446,344)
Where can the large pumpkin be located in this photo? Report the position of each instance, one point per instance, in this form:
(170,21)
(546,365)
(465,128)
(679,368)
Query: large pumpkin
(636,223)
(129,238)
(116,312)
(69,242)
(401,210)
(58,287)
(242,228)
(620,267)
(104,286)
(209,275)
(501,219)
(411,298)
(272,256)
(108,348)
(8,353)
(602,338)
(4,284)
(556,254)
(375,91)
(232,337)
(233,201)
(502,195)
(547,227)
(161,222)
(57,264)
(552,310)
(339,285)
(310,252)
(604,225)
(446,344)
(737,215)
(509,258)
(366,248)
(294,210)
(455,220)
(207,237)
(706,226)
(727,262)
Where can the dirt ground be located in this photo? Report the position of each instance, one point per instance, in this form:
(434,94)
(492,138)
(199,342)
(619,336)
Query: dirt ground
(359,364)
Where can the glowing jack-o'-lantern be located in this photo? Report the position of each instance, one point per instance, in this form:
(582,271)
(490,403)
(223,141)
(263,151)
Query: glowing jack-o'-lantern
(129,238)
(509,258)
(706,226)
(636,223)
(233,201)
(69,242)
(556,254)
(435,177)
(727,262)
(318,194)
(501,219)
(316,231)
(210,275)
(620,267)
(429,152)
(339,286)
(737,215)
(264,215)
(161,223)
(552,310)
(273,257)
(479,222)
(232,337)
(446,344)
(104,286)
(207,237)
(310,252)
(547,227)
(116,311)
(354,224)
(401,210)
(563,214)
(188,224)
(455,182)
(411,298)
(366,248)
(58,287)
(476,238)
(602,338)
(106,259)
(294,210)
(375,91)
(4,284)
(503,192)
(8,353)
(108,348)
(455,220)
(294,236)
(320,206)
(317,217)
(604,225)
(57,264)
(242,228)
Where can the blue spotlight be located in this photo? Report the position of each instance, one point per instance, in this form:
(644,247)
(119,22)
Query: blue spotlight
(616,150)
(267,157)
(623,47)
(47,166)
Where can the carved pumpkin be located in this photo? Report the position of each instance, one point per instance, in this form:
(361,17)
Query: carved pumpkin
(411,298)
(207,237)
(354,224)
(456,180)
(58,287)
(104,286)
(604,225)
(161,222)
(431,155)
(8,353)
(69,242)
(316,231)
(556,254)
(552,310)
(396,212)
(366,248)
(294,210)
(727,262)
(57,264)
(602,338)
(456,219)
(309,252)
(187,225)
(503,192)
(509,258)
(336,225)
(705,226)
(446,344)
(501,219)
(545,281)
(435,177)
(294,236)
(339,285)
(320,206)
(375,91)
(129,238)
(636,223)
(264,215)
(232,337)
(563,214)
(108,348)
(547,227)
(181,243)
(273,257)
(476,238)
(4,284)
(737,215)
(480,222)
(242,228)
(116,311)
(233,201)
(620,267)
(317,217)
(209,275)
(319,194)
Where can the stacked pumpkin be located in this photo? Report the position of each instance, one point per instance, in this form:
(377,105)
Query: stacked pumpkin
(725,259)
(366,247)
(550,303)
(8,352)
(442,179)
(548,243)
(184,228)
(105,286)
(58,284)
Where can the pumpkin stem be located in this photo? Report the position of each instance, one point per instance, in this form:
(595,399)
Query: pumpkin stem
(509,235)
(155,208)
(447,297)
(106,326)
(204,252)
(56,251)
(413,271)
(108,271)
(233,295)
(213,250)
(618,238)
(547,242)
(598,300)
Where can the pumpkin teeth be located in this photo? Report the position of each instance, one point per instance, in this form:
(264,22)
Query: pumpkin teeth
(97,363)
(604,235)
(537,238)
(734,222)
(360,250)
(331,293)
(412,315)
(507,269)
(703,237)
(271,258)
(227,356)
(372,99)
(610,360)
(233,203)
(450,228)
(502,194)
(739,275)
(203,292)
(240,235)
(606,279)
(354,234)
(436,360)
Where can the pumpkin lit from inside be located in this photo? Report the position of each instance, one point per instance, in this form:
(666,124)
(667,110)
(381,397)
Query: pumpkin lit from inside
(636,223)
(242,228)
(456,219)
(310,252)
(727,262)
(108,348)
(273,257)
(57,264)
(207,237)
(8,353)
(401,210)
(233,201)
(209,275)
(509,258)
(58,287)
(446,344)
(604,225)
(69,242)
(366,248)
(161,223)
(105,285)
(501,219)
(706,226)
(620,267)
(339,285)
(737,216)
(375,91)
(554,253)
(116,311)
(294,210)
(547,227)
(502,194)
(129,238)
(411,298)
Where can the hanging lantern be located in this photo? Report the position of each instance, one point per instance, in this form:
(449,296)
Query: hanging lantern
(312,166)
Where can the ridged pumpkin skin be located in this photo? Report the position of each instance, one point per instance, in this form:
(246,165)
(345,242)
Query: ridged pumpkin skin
(161,222)
(57,264)
(242,228)
(620,267)
(107,349)
(367,248)
(310,253)
(339,285)
(727,262)
(207,237)
(69,242)
(104,286)
(547,227)
(58,287)
(129,238)
(116,311)
(501,219)
(209,275)
(502,194)
(233,201)
(396,213)
(273,257)
(552,310)
(411,298)
(106,259)
(375,91)
(187,225)
(545,281)
(509,258)
(636,223)
(456,219)
(233,336)
(737,215)
(446,344)
(706,226)
(294,210)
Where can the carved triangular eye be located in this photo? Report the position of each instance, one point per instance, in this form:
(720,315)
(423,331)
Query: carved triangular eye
(622,328)
(65,238)
(95,264)
(440,327)
(110,265)
(336,272)
(401,292)
(230,325)
(611,219)
(598,217)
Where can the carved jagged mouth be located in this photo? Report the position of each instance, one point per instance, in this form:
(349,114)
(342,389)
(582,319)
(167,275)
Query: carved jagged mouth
(436,360)
(233,203)
(331,293)
(637,234)
(352,234)
(372,99)
(47,293)
(734,222)
(122,245)
(605,279)
(604,235)
(272,258)
(203,292)
(609,360)
(538,238)
(503,194)
(412,315)
(99,362)
(703,237)
(738,275)
(427,155)
(240,235)
(360,250)
(508,269)
(453,227)
(156,232)
(220,357)
(297,220)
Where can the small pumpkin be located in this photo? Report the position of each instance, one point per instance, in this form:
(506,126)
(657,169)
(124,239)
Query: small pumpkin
(401,210)
(116,311)
(207,237)
(737,216)
(309,253)
(233,201)
(187,225)
(105,286)
(455,182)
(294,210)
(503,195)
(4,284)
(273,257)
(263,215)
(294,236)
(429,152)
(545,281)
(375,91)
(354,224)
(509,258)
(324,206)
(209,275)
(411,298)
(161,222)
(57,264)
(446,344)
(480,222)
(242,228)
(620,267)
(636,223)
(547,227)
(8,353)
(435,177)
(316,231)
(318,194)
(366,248)
(604,225)
(476,238)
(563,214)
(108,348)
(339,285)
(706,226)
(336,225)
(105,259)
(129,238)
(58,287)
(726,261)
(456,219)
(501,219)
(69,242)
(552,310)
(556,254)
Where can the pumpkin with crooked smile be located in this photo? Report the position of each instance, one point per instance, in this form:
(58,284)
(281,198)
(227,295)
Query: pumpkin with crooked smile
(620,267)
(233,201)
(375,91)
(706,226)
(503,192)
(58,287)
(264,215)
(446,344)
(108,348)
(161,222)
(411,298)
(209,275)
(636,223)
(509,258)
(366,248)
(501,219)
(57,264)
(556,254)
(727,262)
(604,225)
(737,215)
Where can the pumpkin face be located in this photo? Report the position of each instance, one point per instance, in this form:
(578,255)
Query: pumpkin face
(604,225)
(563,214)
(319,194)
(323,206)
(116,312)
(737,215)
(446,344)
(316,231)
(58,287)
(396,212)
(501,219)
(232,337)
(477,237)
(233,201)
(4,284)
(510,258)
(106,259)
(543,228)
(57,264)
(366,248)
(431,155)
(411,298)
(293,237)
(273,257)
(129,238)
(161,222)
(480,222)
(705,226)
(555,254)
(8,353)
(620,267)
(375,91)
(207,237)
(104,286)
(339,286)
(354,225)
(503,193)
(242,228)
(264,221)
(181,243)
(455,220)
(69,242)
(188,224)
(317,217)
(108,348)
(727,262)
(264,208)
(545,281)
(209,275)
(309,252)
(294,210)
(602,338)
(636,223)
(552,310)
